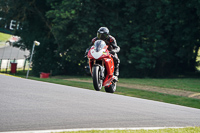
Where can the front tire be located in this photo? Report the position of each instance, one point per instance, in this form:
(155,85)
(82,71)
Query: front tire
(97,82)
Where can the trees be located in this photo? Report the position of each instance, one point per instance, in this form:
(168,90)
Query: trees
(35,26)
(163,37)
(157,38)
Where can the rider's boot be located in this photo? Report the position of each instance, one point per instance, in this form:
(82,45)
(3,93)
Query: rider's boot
(116,73)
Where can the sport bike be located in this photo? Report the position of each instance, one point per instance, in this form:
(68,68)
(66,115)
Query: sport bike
(102,67)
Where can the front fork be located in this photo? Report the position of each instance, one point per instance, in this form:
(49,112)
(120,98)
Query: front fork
(102,68)
(102,76)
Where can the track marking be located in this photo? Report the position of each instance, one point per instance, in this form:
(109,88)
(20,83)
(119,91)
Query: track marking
(89,129)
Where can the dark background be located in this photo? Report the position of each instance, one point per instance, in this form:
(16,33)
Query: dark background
(158,38)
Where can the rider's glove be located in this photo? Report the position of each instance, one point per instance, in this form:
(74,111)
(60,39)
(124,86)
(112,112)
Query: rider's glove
(86,52)
(85,55)
(112,52)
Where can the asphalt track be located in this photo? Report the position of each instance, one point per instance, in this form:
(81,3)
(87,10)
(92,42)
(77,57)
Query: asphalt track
(33,105)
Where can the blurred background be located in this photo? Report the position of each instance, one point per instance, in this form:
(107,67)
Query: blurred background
(157,38)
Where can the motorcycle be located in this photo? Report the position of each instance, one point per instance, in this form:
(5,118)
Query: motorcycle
(102,67)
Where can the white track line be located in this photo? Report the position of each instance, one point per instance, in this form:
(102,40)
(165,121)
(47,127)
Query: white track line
(89,129)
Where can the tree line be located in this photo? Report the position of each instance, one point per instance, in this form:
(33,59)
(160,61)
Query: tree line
(157,38)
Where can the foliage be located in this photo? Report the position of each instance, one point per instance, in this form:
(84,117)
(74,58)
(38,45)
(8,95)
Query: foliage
(35,27)
(157,38)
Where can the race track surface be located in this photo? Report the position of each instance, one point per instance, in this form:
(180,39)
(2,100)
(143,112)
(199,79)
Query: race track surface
(33,105)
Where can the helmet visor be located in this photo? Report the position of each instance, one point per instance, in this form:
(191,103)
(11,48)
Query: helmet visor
(102,36)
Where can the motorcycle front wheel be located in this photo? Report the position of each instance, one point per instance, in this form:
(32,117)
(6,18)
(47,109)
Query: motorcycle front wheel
(97,82)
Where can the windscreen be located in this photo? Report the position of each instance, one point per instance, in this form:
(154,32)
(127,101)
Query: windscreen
(99,46)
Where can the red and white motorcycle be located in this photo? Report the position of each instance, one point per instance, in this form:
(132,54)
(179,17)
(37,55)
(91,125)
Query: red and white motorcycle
(102,67)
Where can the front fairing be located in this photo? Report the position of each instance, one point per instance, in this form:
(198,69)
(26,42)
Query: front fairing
(95,53)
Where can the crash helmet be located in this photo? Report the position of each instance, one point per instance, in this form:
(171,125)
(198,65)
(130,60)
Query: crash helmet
(103,33)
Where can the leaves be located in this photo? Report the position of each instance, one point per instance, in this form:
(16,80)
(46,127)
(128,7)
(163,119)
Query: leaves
(156,38)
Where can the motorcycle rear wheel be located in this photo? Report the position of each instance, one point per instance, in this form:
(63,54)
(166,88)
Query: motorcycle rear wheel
(97,82)
(111,88)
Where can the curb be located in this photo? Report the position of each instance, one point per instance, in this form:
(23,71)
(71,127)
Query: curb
(90,129)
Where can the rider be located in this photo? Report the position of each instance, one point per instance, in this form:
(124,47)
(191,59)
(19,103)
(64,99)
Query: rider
(103,34)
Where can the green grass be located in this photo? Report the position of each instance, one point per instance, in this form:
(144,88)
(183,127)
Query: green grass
(188,84)
(168,130)
(3,38)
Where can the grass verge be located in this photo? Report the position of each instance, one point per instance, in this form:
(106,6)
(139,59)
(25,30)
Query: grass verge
(188,84)
(3,38)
